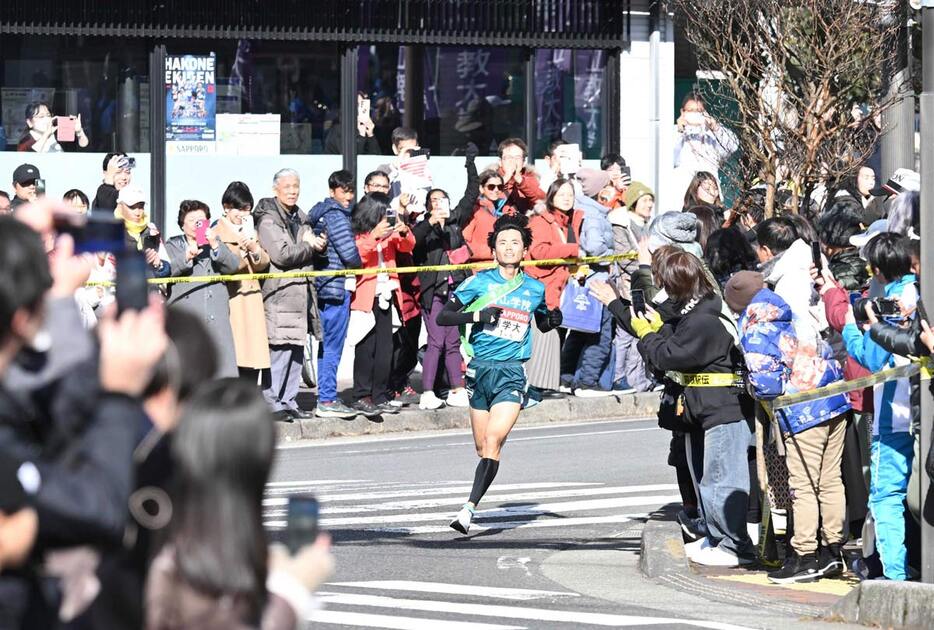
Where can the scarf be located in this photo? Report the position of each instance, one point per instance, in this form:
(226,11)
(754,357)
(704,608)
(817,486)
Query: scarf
(133,228)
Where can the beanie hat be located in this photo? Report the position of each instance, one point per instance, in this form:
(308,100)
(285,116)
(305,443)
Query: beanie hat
(675,228)
(593,181)
(635,192)
(741,288)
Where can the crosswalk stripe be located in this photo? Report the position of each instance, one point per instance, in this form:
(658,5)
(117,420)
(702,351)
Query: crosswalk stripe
(435,491)
(457,500)
(576,618)
(503,525)
(320,482)
(494,592)
(366,620)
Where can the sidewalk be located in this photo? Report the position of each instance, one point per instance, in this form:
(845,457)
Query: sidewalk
(568,409)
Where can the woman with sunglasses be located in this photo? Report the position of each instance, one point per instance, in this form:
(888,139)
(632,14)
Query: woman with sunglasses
(491,204)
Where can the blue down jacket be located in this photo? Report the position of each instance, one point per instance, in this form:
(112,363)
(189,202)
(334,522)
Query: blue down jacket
(778,364)
(333,218)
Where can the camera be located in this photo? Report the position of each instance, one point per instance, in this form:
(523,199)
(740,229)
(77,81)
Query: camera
(882,307)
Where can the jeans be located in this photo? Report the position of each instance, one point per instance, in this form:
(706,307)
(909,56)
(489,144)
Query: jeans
(585,355)
(335,316)
(724,486)
(443,341)
(891,455)
(280,382)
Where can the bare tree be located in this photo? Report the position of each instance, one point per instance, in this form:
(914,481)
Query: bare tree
(809,80)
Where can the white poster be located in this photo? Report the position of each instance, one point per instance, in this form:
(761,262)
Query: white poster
(248,134)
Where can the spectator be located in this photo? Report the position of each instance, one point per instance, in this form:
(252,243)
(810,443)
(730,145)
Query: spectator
(332,217)
(223,453)
(491,204)
(208,300)
(247,320)
(117,175)
(704,190)
(640,201)
(620,177)
(365,141)
(405,338)
(892,447)
(727,252)
(784,357)
(555,234)
(140,233)
(77,200)
(522,188)
(41,126)
(376,181)
(291,246)
(552,160)
(439,240)
(4,202)
(902,181)
(836,229)
(375,297)
(707,222)
(26,178)
(701,142)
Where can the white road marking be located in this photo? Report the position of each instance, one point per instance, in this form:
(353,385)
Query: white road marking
(573,617)
(521,594)
(409,491)
(504,563)
(503,525)
(317,482)
(366,620)
(458,500)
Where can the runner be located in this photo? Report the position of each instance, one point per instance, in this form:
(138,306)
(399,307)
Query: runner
(499,303)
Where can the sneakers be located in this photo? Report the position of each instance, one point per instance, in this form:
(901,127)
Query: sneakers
(719,557)
(407,396)
(693,528)
(753,530)
(462,521)
(334,409)
(622,386)
(692,549)
(565,389)
(365,407)
(797,569)
(830,561)
(591,392)
(458,398)
(430,401)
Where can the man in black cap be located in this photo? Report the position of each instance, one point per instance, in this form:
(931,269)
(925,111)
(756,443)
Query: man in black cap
(25,178)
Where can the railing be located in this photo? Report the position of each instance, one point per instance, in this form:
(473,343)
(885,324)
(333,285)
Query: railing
(584,23)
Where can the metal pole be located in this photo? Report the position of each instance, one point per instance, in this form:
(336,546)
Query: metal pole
(157,135)
(348,102)
(414,88)
(531,136)
(898,139)
(655,83)
(927,275)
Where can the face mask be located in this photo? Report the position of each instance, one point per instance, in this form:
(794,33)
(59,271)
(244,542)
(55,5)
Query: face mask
(695,119)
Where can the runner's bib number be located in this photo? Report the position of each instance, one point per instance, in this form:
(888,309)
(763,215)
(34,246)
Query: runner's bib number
(512,325)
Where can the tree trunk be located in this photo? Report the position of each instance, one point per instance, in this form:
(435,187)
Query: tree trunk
(769,196)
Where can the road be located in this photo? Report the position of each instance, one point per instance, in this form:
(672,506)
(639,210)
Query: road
(555,543)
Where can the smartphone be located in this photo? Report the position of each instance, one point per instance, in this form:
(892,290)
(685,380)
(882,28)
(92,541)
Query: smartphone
(886,307)
(301,526)
(363,108)
(626,171)
(132,288)
(444,208)
(638,301)
(131,162)
(391,217)
(65,131)
(92,234)
(152,241)
(201,236)
(247,228)
(419,151)
(40,186)
(816,256)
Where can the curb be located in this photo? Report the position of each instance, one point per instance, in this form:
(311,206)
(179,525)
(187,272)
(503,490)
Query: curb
(566,410)
(887,604)
(662,551)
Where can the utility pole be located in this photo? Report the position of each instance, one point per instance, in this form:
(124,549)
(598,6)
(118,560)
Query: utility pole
(898,139)
(927,275)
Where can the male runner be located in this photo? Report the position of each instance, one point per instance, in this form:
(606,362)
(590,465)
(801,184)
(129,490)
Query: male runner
(499,303)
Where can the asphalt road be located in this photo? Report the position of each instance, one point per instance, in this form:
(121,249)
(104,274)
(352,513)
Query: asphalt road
(555,543)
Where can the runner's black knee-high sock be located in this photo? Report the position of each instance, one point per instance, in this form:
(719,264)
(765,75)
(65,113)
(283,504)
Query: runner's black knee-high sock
(482,478)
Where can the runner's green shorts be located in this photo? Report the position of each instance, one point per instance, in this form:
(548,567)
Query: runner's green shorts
(491,382)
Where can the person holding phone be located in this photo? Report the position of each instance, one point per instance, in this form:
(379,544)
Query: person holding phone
(366,141)
(141,235)
(247,320)
(211,257)
(117,173)
(41,127)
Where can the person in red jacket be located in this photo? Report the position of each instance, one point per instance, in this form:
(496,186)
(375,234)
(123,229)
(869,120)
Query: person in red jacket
(379,236)
(555,234)
(522,187)
(491,204)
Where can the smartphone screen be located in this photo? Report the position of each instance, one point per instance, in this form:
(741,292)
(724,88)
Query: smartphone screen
(201,237)
(132,288)
(66,128)
(302,521)
(40,187)
(363,108)
(100,235)
(638,301)
(816,257)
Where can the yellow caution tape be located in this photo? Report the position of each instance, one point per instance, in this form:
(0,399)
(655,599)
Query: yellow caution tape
(288,275)
(709,379)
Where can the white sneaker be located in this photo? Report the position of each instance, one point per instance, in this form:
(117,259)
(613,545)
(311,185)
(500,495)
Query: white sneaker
(693,548)
(591,392)
(719,557)
(458,398)
(753,529)
(428,400)
(564,389)
(462,521)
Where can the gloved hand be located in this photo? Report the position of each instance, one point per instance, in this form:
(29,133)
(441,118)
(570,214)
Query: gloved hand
(554,317)
(471,151)
(489,315)
(645,324)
